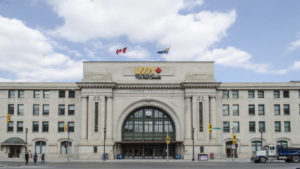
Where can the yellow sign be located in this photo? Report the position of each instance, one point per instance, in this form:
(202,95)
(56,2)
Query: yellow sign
(144,70)
(168,139)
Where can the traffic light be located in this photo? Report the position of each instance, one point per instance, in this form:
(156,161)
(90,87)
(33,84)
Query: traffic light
(65,127)
(234,139)
(209,127)
(8,118)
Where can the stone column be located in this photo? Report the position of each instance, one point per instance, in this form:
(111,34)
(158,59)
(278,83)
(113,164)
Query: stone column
(102,117)
(188,120)
(195,117)
(109,118)
(213,120)
(83,120)
(90,117)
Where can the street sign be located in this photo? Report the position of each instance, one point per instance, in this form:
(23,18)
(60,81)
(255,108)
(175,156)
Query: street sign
(168,139)
(217,128)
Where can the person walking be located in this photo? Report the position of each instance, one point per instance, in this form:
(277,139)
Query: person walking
(26,157)
(43,159)
(35,158)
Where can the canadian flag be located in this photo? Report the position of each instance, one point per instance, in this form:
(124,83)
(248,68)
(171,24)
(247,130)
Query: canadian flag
(121,50)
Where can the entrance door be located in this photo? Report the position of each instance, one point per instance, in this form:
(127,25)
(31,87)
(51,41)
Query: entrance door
(229,150)
(14,151)
(148,152)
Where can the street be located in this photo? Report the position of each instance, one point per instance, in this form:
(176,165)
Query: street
(152,165)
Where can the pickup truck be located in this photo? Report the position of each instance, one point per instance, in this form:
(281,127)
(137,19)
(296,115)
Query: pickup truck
(289,154)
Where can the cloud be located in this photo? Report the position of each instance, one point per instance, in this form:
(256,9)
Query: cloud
(294,45)
(28,55)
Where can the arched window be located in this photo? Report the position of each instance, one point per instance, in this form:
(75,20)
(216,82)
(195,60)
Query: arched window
(40,147)
(64,146)
(148,123)
(282,143)
(256,146)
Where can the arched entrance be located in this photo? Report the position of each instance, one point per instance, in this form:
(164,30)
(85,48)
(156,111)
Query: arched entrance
(229,151)
(144,132)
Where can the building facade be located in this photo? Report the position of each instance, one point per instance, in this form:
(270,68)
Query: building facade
(129,108)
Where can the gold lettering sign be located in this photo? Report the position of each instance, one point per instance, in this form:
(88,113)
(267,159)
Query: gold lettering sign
(144,70)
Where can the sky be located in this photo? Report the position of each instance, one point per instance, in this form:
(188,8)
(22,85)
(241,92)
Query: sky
(249,40)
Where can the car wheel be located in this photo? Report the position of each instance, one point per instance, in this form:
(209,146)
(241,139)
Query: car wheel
(296,159)
(263,160)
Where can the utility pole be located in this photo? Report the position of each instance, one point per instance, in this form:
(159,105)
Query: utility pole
(261,139)
(68,144)
(193,130)
(26,131)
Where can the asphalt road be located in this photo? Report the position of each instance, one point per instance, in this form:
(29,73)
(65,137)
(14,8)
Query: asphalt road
(152,165)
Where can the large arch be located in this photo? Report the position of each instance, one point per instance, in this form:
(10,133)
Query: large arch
(149,103)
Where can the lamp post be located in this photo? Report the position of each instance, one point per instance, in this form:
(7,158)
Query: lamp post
(193,130)
(68,143)
(104,156)
(26,131)
(261,139)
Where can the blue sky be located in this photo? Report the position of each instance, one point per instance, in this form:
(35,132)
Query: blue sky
(249,40)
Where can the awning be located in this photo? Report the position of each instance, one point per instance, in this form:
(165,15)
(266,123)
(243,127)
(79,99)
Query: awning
(147,142)
(13,141)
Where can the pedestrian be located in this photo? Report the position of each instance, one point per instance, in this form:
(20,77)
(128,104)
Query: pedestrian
(35,158)
(26,157)
(43,159)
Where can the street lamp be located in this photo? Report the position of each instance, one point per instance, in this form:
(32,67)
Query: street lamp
(26,131)
(193,130)
(104,156)
(261,139)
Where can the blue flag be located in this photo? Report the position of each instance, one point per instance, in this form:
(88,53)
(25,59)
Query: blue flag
(166,51)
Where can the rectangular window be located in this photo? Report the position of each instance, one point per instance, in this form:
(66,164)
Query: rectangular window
(262,126)
(45,126)
(11,94)
(21,94)
(235,110)
(96,116)
(19,126)
(251,94)
(36,94)
(21,109)
(95,149)
(287,126)
(71,94)
(286,94)
(277,109)
(276,94)
(226,127)
(36,109)
(201,149)
(201,116)
(261,109)
(252,126)
(71,127)
(251,108)
(225,94)
(225,110)
(35,126)
(277,126)
(61,126)
(10,126)
(61,109)
(11,109)
(286,109)
(235,94)
(261,94)
(71,109)
(46,109)
(46,94)
(61,94)
(236,127)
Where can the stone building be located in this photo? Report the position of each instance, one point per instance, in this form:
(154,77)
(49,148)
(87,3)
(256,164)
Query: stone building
(129,108)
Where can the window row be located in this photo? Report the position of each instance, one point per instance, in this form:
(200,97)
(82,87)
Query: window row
(252,126)
(45,109)
(65,147)
(44,126)
(38,93)
(260,94)
(256,145)
(261,109)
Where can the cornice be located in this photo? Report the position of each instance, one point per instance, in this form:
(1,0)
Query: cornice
(148,85)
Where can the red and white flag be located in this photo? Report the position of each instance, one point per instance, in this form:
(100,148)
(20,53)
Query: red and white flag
(121,50)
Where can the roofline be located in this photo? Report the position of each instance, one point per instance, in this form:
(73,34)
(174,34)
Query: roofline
(148,61)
